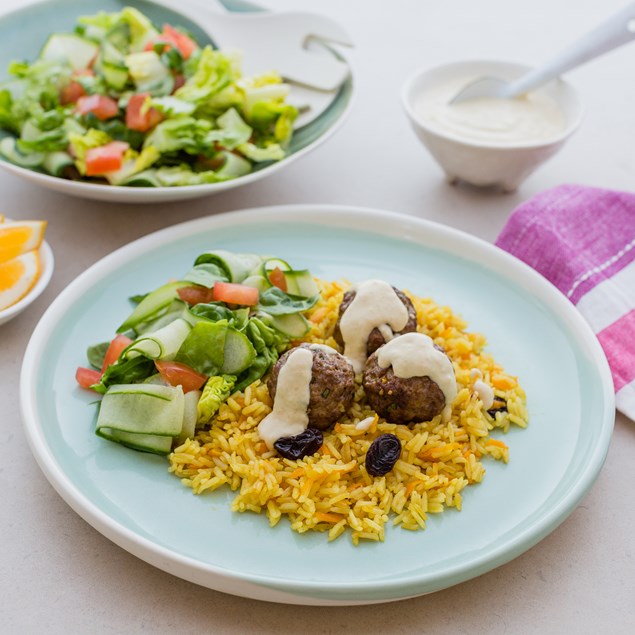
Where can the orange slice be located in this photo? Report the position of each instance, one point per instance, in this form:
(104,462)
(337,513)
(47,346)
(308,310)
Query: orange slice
(17,277)
(19,237)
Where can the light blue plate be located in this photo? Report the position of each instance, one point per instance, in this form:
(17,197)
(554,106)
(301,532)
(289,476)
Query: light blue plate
(23,34)
(130,497)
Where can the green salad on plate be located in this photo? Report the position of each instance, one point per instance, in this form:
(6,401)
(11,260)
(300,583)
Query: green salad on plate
(190,343)
(125,102)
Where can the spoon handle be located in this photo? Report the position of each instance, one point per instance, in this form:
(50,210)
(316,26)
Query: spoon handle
(616,31)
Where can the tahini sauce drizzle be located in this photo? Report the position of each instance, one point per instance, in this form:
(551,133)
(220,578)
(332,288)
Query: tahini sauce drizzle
(289,415)
(414,355)
(484,391)
(375,304)
(324,348)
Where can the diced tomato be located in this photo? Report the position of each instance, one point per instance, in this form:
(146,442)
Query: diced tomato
(235,293)
(277,279)
(195,295)
(106,158)
(136,118)
(86,377)
(171,37)
(177,374)
(119,343)
(101,106)
(182,42)
(71,93)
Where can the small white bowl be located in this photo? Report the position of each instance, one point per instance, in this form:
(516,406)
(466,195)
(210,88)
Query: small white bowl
(485,163)
(47,264)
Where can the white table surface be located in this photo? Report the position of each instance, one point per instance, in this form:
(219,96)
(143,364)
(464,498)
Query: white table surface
(59,575)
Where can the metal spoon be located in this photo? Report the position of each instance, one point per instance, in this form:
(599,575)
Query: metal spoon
(616,31)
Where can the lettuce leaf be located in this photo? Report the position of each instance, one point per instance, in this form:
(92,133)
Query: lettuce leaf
(215,393)
(44,132)
(272,152)
(214,72)
(204,347)
(7,119)
(232,132)
(180,133)
(183,175)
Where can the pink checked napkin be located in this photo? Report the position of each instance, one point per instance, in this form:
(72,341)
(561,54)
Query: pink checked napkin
(583,240)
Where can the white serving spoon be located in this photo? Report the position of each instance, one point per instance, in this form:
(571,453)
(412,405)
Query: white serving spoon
(616,31)
(291,43)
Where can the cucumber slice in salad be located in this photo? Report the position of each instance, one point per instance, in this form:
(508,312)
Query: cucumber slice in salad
(301,283)
(9,150)
(239,353)
(56,162)
(145,416)
(190,415)
(294,325)
(116,75)
(162,344)
(236,267)
(66,47)
(152,305)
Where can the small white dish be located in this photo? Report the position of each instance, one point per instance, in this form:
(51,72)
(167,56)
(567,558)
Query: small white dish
(486,163)
(47,264)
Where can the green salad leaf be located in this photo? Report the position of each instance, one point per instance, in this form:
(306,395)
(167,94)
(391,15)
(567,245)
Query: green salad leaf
(206,274)
(96,354)
(204,347)
(276,302)
(131,371)
(215,392)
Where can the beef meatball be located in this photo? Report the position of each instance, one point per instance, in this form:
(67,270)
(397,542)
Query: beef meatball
(376,339)
(332,386)
(398,399)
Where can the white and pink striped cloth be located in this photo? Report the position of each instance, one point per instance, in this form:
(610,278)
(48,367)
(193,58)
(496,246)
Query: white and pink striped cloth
(583,240)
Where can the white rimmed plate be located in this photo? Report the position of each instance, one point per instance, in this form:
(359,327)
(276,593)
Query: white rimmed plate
(130,497)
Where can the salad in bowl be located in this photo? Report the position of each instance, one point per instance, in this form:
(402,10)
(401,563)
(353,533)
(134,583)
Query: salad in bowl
(122,102)
(136,104)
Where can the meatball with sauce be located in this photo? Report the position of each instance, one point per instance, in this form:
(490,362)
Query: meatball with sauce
(400,399)
(376,338)
(332,386)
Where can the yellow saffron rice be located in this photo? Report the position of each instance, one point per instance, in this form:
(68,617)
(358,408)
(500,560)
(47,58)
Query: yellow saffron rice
(331,490)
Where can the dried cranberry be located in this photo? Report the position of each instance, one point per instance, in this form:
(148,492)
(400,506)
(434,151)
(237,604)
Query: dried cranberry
(382,454)
(301,445)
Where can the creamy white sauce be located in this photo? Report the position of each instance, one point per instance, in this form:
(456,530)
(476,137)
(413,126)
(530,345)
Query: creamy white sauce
(484,391)
(329,350)
(386,332)
(414,355)
(533,117)
(289,415)
(374,305)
